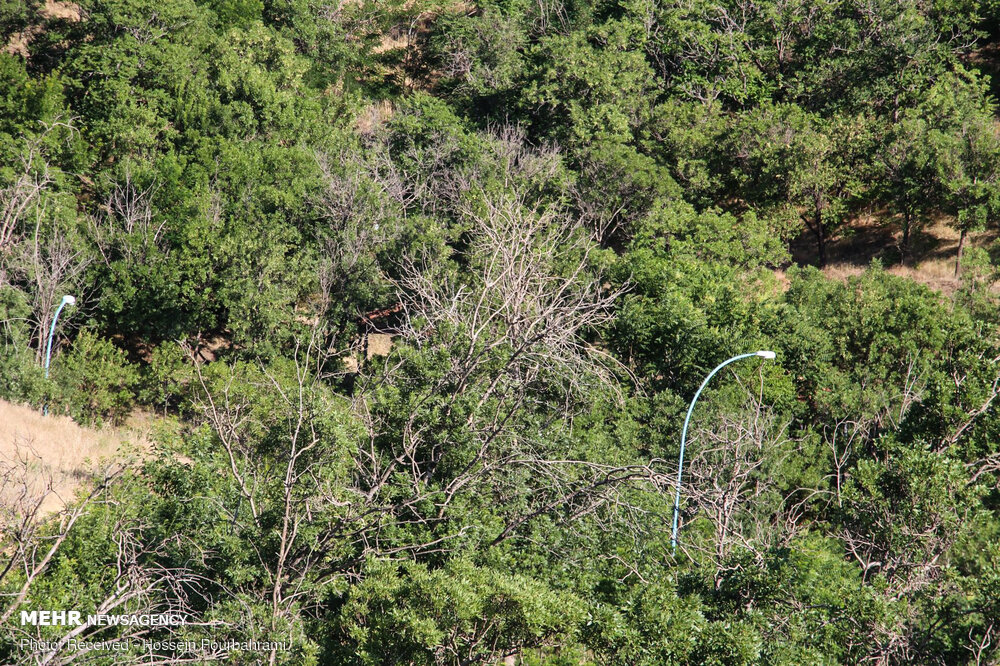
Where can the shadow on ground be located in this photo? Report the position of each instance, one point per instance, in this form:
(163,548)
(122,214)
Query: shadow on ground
(930,261)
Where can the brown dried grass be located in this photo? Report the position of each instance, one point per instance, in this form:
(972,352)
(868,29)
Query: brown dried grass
(54,457)
(931,262)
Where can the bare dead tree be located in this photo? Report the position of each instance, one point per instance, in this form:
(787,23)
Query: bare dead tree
(879,408)
(49,261)
(30,541)
(517,305)
(363,199)
(549,16)
(359,212)
(518,298)
(28,550)
(283,489)
(39,255)
(51,265)
(370,186)
(17,197)
(22,498)
(976,411)
(982,649)
(512,324)
(126,229)
(140,586)
(515,323)
(731,484)
(842,441)
(32,177)
(368,197)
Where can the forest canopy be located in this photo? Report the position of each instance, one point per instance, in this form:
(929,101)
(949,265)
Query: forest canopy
(416,296)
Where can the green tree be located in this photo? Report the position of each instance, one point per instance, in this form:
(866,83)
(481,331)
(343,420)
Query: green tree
(801,164)
(966,147)
(95,380)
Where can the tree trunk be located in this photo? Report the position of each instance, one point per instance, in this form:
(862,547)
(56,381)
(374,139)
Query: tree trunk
(815,225)
(820,240)
(43,330)
(907,219)
(958,258)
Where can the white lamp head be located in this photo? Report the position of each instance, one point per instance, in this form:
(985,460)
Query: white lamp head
(766,354)
(69,300)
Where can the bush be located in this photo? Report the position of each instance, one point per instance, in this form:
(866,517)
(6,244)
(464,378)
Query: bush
(21,376)
(164,381)
(94,381)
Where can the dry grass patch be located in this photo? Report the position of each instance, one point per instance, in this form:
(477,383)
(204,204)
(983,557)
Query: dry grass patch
(374,116)
(938,274)
(931,261)
(51,457)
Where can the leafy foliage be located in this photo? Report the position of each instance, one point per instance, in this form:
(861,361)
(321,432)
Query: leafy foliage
(421,292)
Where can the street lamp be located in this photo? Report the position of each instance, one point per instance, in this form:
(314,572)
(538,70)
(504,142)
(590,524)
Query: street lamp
(66,300)
(687,419)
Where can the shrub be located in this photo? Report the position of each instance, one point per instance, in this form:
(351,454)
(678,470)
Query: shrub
(94,381)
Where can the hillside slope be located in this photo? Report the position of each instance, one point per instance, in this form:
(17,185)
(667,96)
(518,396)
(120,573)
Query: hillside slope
(47,458)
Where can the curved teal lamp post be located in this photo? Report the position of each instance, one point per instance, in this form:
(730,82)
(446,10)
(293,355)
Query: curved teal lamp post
(66,300)
(687,420)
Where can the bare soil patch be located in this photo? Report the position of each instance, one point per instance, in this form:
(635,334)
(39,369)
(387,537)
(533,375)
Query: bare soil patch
(61,10)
